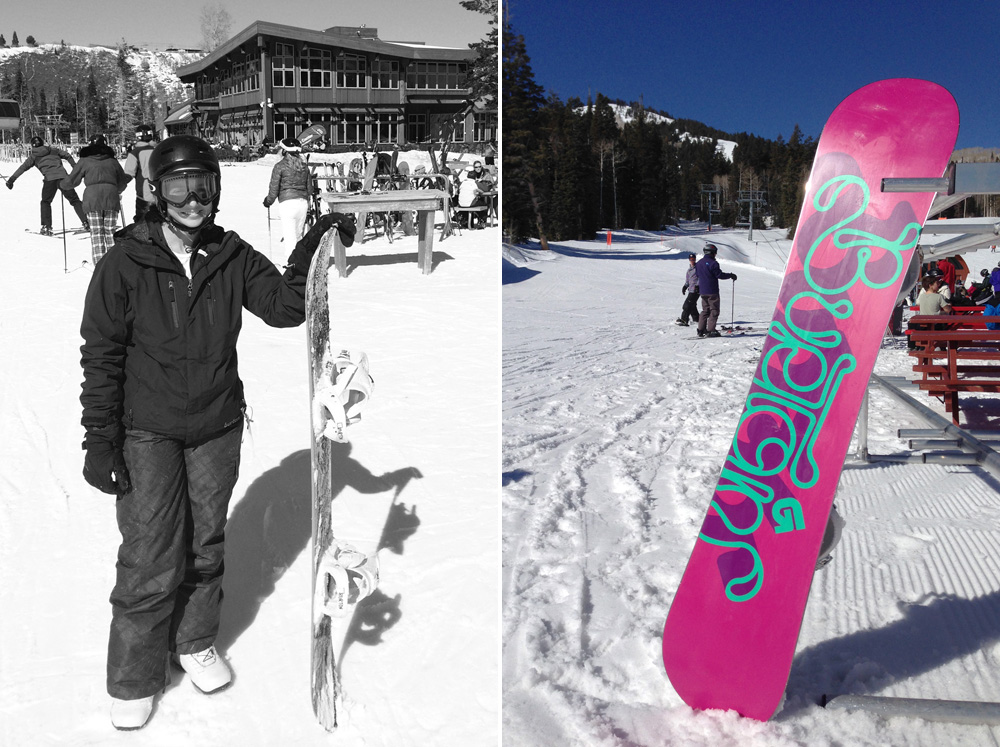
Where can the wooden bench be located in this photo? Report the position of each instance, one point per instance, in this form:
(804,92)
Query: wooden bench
(468,211)
(953,357)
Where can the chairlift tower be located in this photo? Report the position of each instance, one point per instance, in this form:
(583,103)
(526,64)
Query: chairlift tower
(51,123)
(749,200)
(711,201)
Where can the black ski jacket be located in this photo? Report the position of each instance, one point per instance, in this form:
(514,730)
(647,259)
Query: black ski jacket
(159,351)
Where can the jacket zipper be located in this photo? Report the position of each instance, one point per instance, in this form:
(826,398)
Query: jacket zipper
(211,306)
(173,304)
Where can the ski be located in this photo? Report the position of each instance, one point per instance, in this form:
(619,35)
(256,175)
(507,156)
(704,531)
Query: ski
(731,631)
(60,233)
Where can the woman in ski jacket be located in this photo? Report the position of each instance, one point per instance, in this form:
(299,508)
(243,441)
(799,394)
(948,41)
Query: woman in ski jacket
(49,162)
(163,409)
(105,180)
(290,188)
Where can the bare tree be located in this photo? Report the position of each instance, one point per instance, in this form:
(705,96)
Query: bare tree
(215,25)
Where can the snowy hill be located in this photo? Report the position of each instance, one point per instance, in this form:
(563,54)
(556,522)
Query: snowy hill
(615,426)
(154,68)
(625,113)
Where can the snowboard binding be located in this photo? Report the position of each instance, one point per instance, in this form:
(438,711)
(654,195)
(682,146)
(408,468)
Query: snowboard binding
(338,401)
(345,577)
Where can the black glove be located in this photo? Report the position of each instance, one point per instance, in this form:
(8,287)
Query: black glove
(104,466)
(10,185)
(733,274)
(684,289)
(267,204)
(301,256)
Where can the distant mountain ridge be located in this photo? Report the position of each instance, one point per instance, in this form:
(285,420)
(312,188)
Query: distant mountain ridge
(625,113)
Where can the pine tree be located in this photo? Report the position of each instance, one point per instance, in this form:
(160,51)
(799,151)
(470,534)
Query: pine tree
(522,164)
(484,69)
(13,40)
(3,42)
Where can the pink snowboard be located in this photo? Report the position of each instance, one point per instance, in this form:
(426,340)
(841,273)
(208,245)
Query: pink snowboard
(730,635)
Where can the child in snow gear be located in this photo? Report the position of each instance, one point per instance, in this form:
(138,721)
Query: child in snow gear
(709,274)
(163,412)
(290,187)
(49,160)
(690,288)
(137,167)
(100,171)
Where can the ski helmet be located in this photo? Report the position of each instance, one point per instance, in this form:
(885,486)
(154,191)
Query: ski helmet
(98,140)
(183,153)
(290,145)
(711,249)
(144,132)
(37,142)
(692,255)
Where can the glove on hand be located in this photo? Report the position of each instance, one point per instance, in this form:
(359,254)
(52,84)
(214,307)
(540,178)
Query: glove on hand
(10,185)
(734,276)
(104,466)
(684,289)
(267,204)
(301,256)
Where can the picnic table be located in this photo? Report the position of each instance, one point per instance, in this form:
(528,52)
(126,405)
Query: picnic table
(955,353)
(424,201)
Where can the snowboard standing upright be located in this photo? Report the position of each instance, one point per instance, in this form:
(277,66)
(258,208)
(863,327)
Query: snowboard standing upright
(731,631)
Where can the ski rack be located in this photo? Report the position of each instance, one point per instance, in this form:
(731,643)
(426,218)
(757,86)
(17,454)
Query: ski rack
(961,180)
(971,447)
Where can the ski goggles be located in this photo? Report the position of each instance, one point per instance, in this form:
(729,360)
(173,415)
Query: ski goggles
(180,188)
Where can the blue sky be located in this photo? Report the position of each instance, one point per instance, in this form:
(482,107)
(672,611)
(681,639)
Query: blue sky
(763,67)
(177,23)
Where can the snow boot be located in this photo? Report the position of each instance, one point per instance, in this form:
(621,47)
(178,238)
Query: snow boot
(209,673)
(46,231)
(712,333)
(129,715)
(680,323)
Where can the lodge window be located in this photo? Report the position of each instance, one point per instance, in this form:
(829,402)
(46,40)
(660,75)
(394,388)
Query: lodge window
(436,75)
(351,71)
(386,126)
(352,128)
(416,128)
(316,68)
(385,74)
(484,127)
(253,74)
(283,66)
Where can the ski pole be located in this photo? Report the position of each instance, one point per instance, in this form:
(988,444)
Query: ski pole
(62,205)
(269,247)
(732,308)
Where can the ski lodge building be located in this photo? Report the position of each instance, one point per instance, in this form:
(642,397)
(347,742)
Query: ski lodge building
(273,81)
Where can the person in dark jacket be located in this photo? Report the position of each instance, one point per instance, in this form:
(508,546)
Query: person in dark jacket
(137,167)
(709,275)
(290,187)
(100,171)
(163,412)
(690,290)
(49,162)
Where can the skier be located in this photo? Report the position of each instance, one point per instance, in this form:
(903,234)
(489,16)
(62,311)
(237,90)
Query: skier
(137,167)
(163,411)
(100,171)
(49,160)
(690,289)
(290,187)
(709,275)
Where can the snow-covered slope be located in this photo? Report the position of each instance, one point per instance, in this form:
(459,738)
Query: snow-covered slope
(615,425)
(426,674)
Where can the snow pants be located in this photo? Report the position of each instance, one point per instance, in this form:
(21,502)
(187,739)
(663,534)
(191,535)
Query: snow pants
(293,221)
(49,190)
(690,308)
(168,592)
(709,315)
